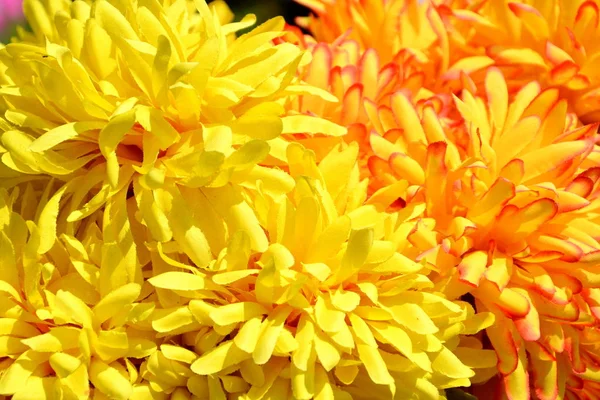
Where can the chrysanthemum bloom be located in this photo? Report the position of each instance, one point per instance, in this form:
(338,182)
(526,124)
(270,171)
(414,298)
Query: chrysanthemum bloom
(60,337)
(364,78)
(508,191)
(553,42)
(357,80)
(410,34)
(386,26)
(330,308)
(116,93)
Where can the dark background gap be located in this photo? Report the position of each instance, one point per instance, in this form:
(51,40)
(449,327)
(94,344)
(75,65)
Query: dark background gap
(266,9)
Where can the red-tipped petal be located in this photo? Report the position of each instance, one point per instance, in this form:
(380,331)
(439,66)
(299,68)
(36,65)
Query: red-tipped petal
(407,168)
(351,104)
(592,297)
(318,71)
(555,54)
(581,186)
(368,68)
(472,267)
(573,349)
(491,203)
(407,118)
(536,214)
(502,340)
(516,383)
(558,312)
(435,174)
(563,73)
(545,372)
(528,326)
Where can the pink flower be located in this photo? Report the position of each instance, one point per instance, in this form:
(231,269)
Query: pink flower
(10,10)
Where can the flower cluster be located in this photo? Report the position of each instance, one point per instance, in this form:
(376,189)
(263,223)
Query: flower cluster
(403,201)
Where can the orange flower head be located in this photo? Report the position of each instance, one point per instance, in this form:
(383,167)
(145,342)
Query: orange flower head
(553,42)
(386,26)
(506,187)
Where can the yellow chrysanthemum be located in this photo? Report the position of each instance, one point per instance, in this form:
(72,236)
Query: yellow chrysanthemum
(60,337)
(553,42)
(331,308)
(120,93)
(509,193)
(369,213)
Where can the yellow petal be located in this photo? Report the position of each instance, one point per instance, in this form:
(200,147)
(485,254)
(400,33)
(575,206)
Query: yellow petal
(374,364)
(270,332)
(178,353)
(248,335)
(448,364)
(109,381)
(236,312)
(174,280)
(112,303)
(64,364)
(312,125)
(219,359)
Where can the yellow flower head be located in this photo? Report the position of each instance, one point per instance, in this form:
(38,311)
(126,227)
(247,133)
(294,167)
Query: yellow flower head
(331,308)
(404,203)
(59,335)
(508,191)
(151,100)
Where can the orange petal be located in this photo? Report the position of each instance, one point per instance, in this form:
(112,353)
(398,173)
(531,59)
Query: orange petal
(568,201)
(529,326)
(407,168)
(486,210)
(563,73)
(572,348)
(499,270)
(522,56)
(553,336)
(368,68)
(435,177)
(503,342)
(592,297)
(570,252)
(551,157)
(472,267)
(532,19)
(550,309)
(497,94)
(513,171)
(516,383)
(467,66)
(351,104)
(581,186)
(535,215)
(407,118)
(555,54)
(544,371)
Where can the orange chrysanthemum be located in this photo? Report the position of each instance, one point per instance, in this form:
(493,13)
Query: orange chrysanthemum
(386,26)
(404,202)
(358,80)
(507,187)
(553,42)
